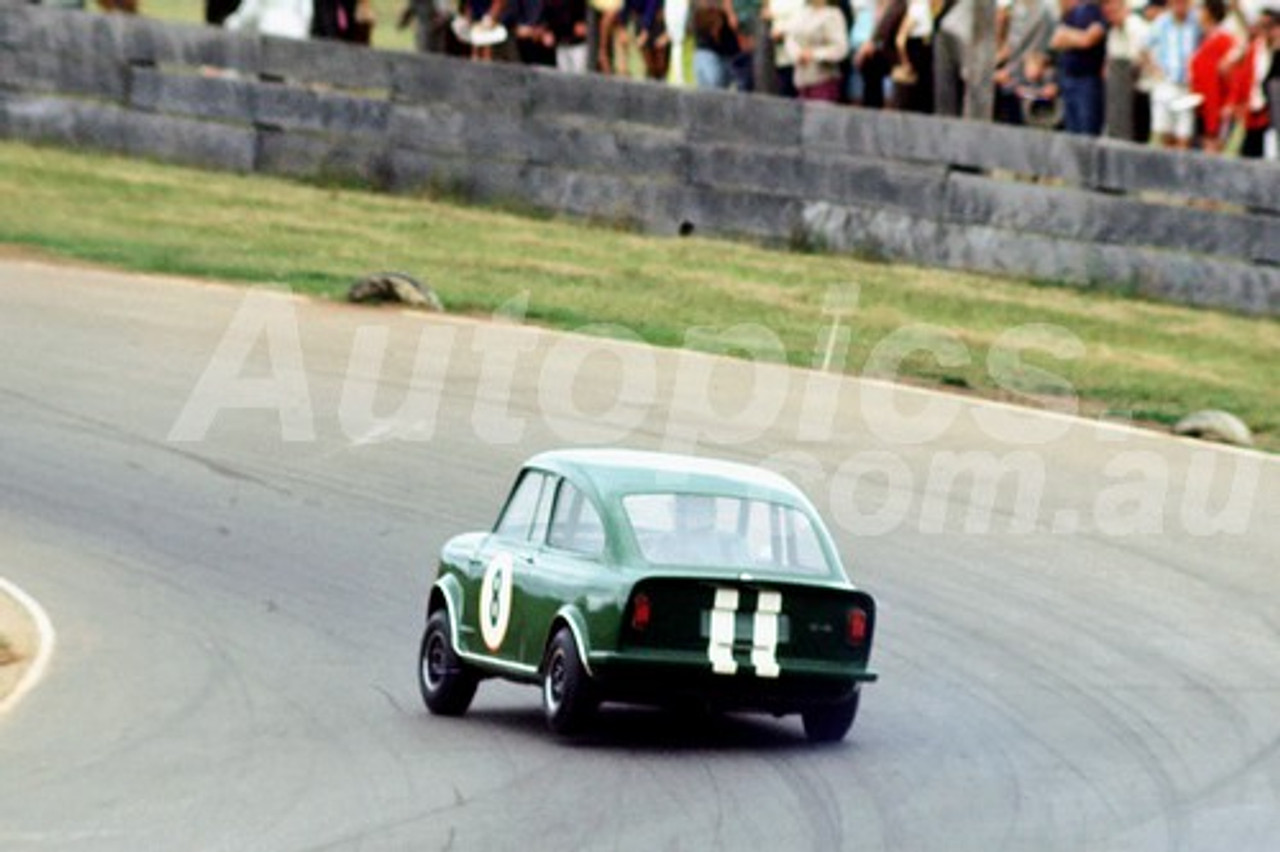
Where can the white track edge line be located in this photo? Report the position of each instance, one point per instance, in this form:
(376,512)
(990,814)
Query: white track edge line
(44,653)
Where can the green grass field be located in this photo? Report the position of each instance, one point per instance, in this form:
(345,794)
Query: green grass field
(1151,361)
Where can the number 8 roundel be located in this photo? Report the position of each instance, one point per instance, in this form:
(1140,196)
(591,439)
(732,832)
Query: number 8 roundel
(495,600)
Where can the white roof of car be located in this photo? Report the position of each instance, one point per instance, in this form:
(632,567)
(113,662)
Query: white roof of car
(620,471)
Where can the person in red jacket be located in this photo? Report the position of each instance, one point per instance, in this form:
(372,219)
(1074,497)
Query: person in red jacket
(1210,72)
(1246,96)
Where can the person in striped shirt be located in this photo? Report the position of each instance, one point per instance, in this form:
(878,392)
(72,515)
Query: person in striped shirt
(1173,40)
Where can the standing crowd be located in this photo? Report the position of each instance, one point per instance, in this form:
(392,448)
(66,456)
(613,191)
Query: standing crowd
(1200,73)
(1177,73)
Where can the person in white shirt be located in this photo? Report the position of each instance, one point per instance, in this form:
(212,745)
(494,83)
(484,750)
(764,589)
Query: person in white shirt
(782,14)
(282,18)
(676,13)
(818,40)
(1127,32)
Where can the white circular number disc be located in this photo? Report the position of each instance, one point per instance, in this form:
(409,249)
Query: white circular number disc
(495,600)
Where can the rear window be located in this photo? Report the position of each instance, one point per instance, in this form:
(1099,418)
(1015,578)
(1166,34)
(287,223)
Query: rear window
(702,530)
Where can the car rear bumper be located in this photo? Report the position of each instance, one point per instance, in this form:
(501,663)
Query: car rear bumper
(652,678)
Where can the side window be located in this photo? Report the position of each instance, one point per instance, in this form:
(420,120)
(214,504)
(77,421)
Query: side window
(522,506)
(575,524)
(542,518)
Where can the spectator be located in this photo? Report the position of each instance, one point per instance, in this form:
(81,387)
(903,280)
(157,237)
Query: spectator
(282,18)
(951,41)
(1208,73)
(913,77)
(612,57)
(1080,39)
(781,14)
(746,15)
(878,56)
(1030,26)
(486,26)
(1247,95)
(1241,14)
(646,19)
(215,11)
(344,20)
(715,43)
(818,40)
(432,33)
(1002,11)
(676,13)
(360,27)
(566,21)
(846,8)
(533,40)
(1127,35)
(1030,93)
(1270,86)
(864,22)
(1173,39)
(1036,88)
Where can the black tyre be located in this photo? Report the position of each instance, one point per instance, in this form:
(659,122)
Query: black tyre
(831,723)
(568,699)
(447,684)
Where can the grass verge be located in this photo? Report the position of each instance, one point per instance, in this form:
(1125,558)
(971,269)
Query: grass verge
(1121,356)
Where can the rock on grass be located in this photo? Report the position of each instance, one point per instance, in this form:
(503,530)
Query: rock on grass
(395,287)
(1215,425)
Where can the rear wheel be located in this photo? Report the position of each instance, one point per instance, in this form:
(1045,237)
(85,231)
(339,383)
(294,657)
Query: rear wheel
(447,684)
(831,723)
(567,696)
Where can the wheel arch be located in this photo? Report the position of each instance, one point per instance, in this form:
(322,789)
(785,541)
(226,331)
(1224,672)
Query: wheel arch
(569,616)
(444,595)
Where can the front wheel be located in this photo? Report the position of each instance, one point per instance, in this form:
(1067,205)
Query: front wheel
(567,697)
(831,723)
(447,685)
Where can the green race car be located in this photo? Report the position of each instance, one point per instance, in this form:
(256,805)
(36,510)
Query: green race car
(650,578)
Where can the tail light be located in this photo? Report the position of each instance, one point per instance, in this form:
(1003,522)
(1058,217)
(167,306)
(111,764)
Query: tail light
(640,612)
(857,627)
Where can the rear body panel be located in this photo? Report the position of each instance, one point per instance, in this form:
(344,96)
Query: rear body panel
(749,643)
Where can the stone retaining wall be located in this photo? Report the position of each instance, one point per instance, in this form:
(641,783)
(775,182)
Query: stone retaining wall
(934,191)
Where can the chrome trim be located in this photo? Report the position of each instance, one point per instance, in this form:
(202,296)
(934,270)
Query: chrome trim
(468,655)
(493,662)
(577,638)
(448,606)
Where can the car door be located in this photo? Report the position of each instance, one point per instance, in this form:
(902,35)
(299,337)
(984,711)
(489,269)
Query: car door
(569,569)
(507,555)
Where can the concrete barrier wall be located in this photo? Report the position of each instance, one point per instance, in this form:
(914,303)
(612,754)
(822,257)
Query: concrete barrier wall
(933,191)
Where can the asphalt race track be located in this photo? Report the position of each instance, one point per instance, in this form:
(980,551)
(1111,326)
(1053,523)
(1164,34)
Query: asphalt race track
(238,615)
